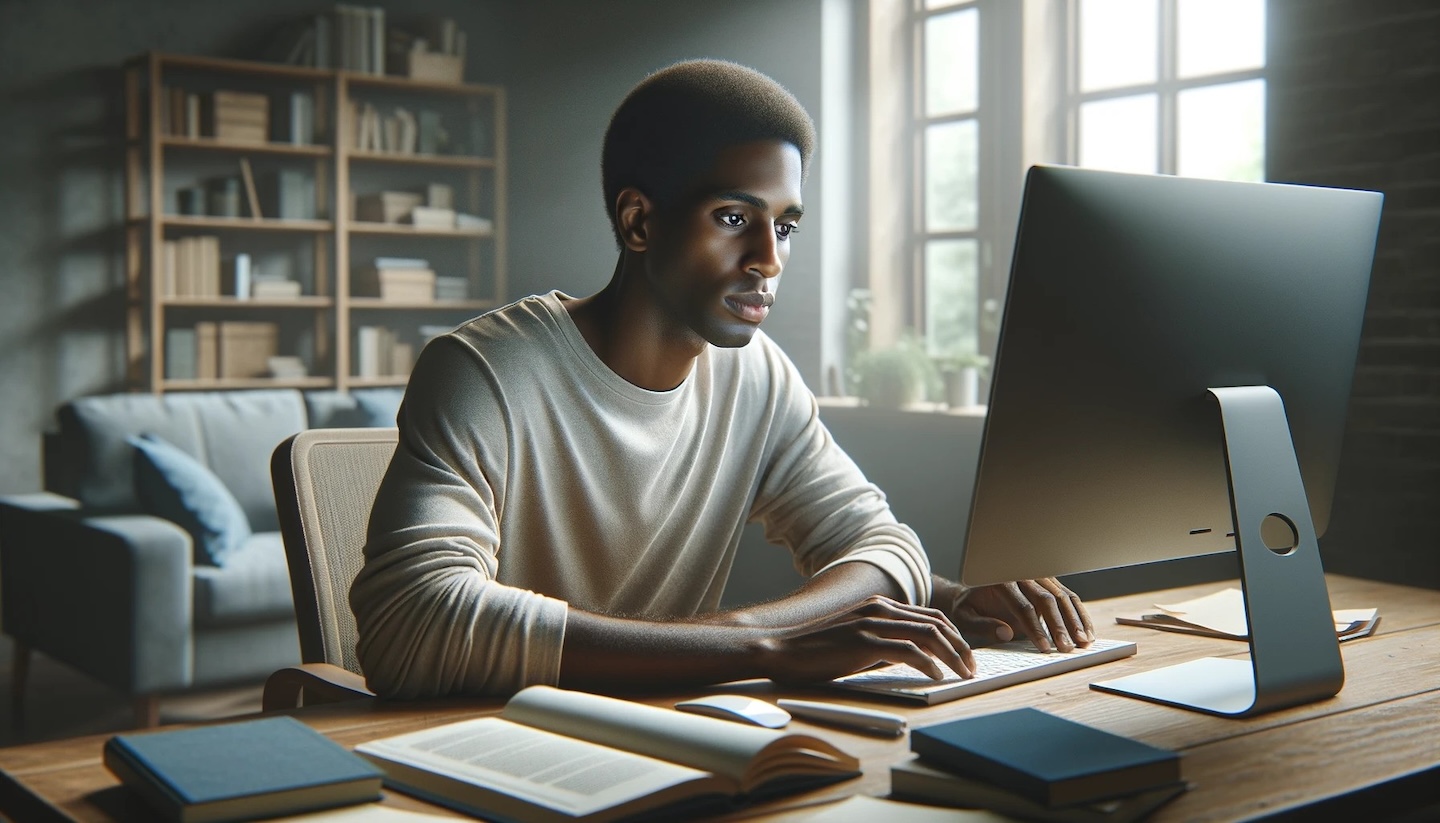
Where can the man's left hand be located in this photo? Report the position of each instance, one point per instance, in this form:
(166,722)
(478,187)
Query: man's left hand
(1043,610)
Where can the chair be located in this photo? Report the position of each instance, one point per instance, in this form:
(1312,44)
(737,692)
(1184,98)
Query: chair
(325,483)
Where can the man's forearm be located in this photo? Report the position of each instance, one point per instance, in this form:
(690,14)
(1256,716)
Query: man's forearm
(732,645)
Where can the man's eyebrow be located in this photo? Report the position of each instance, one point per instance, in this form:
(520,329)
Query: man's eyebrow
(752,200)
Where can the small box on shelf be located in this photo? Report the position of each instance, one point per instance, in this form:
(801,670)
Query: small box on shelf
(433,67)
(408,283)
(386,206)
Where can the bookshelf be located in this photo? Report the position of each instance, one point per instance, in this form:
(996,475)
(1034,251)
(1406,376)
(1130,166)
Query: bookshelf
(306,147)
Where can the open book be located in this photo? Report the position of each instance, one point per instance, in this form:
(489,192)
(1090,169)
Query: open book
(1222,614)
(558,755)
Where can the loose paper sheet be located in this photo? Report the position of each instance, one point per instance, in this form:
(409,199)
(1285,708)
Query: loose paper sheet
(1224,613)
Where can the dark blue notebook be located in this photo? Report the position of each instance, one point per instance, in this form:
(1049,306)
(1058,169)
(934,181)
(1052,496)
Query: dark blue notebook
(1047,758)
(240,771)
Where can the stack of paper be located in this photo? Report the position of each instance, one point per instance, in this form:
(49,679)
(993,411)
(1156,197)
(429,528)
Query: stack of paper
(1222,614)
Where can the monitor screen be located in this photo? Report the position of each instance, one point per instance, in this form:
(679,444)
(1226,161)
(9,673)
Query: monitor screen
(1129,297)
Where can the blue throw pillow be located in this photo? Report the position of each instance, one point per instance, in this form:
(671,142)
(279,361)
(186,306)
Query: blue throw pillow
(173,485)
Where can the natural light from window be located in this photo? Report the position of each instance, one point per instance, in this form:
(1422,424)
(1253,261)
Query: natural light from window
(1171,86)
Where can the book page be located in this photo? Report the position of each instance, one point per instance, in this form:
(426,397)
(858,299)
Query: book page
(720,746)
(545,769)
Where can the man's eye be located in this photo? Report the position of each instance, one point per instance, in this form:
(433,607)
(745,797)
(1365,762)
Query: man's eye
(732,220)
(784,230)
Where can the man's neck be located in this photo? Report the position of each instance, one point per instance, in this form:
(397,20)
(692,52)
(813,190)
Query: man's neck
(632,336)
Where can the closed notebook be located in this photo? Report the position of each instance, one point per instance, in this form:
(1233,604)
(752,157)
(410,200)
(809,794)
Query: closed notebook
(240,771)
(915,780)
(1047,758)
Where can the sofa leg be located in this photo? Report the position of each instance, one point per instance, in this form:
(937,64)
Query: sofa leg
(147,711)
(19,673)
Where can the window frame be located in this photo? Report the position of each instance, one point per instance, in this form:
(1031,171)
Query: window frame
(1167,87)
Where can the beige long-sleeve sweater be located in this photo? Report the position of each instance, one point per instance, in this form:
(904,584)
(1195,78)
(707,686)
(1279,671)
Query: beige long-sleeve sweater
(529,476)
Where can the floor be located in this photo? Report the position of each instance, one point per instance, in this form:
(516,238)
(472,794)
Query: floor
(62,702)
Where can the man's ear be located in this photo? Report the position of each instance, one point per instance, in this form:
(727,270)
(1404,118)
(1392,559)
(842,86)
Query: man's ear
(633,213)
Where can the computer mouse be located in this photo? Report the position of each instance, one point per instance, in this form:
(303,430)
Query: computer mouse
(739,708)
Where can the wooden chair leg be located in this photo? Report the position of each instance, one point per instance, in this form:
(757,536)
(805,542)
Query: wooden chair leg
(147,711)
(19,673)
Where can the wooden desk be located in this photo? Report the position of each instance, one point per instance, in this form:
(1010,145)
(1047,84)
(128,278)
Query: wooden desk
(1370,752)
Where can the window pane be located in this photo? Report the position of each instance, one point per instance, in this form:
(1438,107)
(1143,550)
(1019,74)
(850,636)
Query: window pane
(1117,43)
(952,56)
(951,168)
(951,297)
(1222,131)
(1119,134)
(1219,35)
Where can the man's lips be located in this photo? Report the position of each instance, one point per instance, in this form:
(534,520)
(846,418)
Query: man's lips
(752,306)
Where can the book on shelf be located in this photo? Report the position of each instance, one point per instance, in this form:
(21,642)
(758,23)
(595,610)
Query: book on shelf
(245,348)
(431,136)
(426,217)
(191,266)
(238,277)
(386,206)
(471,222)
(274,287)
(248,177)
(287,367)
(452,288)
(1047,758)
(236,116)
(240,770)
(180,354)
(408,285)
(917,780)
(439,196)
(224,197)
(286,194)
(207,348)
(294,121)
(1222,615)
(636,759)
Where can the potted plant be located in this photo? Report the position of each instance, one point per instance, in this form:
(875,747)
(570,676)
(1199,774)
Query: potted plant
(961,374)
(894,377)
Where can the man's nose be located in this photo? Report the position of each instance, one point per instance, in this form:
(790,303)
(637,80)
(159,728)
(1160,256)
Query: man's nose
(766,258)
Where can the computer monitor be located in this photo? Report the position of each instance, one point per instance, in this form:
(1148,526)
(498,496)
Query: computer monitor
(1164,342)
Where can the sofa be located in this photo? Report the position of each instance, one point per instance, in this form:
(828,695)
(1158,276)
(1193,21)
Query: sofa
(92,577)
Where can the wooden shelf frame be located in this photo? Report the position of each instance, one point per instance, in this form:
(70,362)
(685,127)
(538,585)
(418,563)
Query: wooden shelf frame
(147,224)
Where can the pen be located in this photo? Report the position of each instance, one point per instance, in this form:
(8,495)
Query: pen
(866,720)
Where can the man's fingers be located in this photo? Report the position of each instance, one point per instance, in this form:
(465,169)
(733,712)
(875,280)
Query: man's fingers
(929,639)
(1072,610)
(1031,621)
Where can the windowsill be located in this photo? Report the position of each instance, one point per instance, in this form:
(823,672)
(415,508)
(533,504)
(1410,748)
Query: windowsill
(923,407)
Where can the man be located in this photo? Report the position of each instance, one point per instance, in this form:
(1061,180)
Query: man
(573,475)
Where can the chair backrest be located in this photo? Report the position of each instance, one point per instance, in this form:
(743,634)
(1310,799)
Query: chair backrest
(325,483)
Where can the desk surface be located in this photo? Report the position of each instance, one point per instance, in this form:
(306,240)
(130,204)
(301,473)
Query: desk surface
(1373,744)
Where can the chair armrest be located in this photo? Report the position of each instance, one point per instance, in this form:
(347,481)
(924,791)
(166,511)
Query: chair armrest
(110,595)
(316,682)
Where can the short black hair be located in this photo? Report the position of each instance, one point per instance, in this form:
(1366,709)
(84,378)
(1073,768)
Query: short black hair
(669,128)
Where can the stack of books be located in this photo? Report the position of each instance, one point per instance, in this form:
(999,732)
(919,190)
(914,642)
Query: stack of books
(386,206)
(191,266)
(239,116)
(1033,765)
(379,352)
(452,288)
(399,279)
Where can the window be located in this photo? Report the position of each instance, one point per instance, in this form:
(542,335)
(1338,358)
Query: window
(1170,86)
(948,123)
(966,94)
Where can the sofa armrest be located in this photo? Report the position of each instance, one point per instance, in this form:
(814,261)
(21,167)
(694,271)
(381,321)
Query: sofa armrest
(110,595)
(317,682)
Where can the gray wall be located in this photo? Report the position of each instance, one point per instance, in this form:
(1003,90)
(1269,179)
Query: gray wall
(1354,101)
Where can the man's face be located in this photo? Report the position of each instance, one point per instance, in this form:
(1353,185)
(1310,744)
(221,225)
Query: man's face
(716,254)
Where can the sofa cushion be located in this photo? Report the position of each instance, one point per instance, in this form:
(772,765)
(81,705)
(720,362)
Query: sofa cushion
(232,433)
(173,485)
(356,408)
(252,586)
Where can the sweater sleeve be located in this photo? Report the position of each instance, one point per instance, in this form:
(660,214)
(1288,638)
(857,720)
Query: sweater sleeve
(431,616)
(816,502)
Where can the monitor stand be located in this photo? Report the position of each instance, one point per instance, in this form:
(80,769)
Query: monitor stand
(1294,653)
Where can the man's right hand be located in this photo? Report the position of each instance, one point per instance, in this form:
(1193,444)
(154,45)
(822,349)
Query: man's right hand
(876,630)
